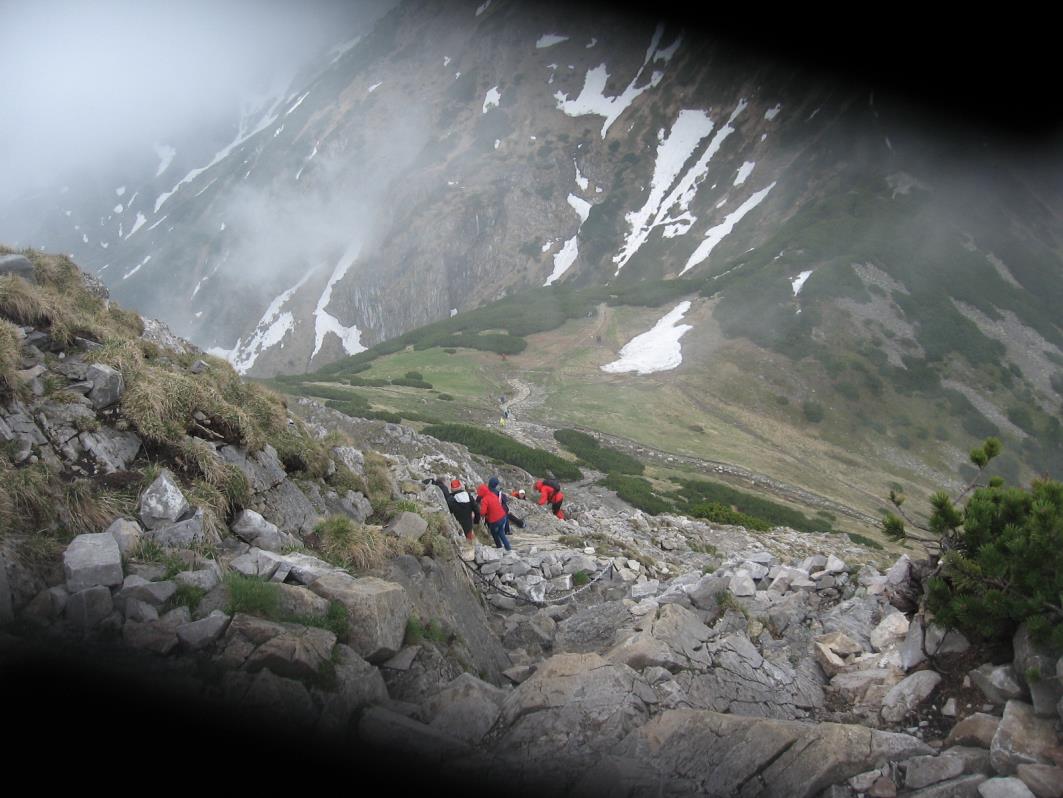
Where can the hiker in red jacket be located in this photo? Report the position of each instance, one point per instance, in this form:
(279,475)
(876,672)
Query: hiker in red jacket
(494,514)
(550,493)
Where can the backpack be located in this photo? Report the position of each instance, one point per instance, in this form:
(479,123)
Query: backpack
(553,483)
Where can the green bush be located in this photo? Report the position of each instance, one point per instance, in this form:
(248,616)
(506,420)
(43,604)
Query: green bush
(720,502)
(500,447)
(598,457)
(638,492)
(813,411)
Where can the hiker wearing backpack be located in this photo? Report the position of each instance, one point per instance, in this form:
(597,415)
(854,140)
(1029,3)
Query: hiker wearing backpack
(495,515)
(460,503)
(493,486)
(550,493)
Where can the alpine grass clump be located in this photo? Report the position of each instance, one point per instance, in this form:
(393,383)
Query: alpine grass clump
(601,458)
(351,544)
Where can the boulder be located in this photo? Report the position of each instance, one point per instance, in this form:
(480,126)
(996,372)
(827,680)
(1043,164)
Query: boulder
(86,608)
(1035,669)
(91,560)
(162,503)
(891,630)
(465,708)
(940,641)
(251,527)
(959,787)
(19,266)
(1009,787)
(107,385)
(742,584)
(126,534)
(922,771)
(137,610)
(1044,781)
(377,610)
(853,686)
(407,525)
(711,753)
(297,652)
(256,563)
(392,731)
(640,590)
(835,565)
(358,684)
(205,579)
(184,534)
(593,628)
(977,729)
(157,637)
(154,593)
(908,694)
(1021,738)
(113,450)
(703,593)
(301,602)
(273,697)
(197,635)
(999,683)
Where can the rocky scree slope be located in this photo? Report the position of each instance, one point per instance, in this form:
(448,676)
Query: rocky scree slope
(612,653)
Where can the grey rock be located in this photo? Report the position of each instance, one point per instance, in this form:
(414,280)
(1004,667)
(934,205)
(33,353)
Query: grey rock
(528,631)
(19,266)
(580,562)
(959,787)
(393,731)
(113,450)
(184,534)
(263,469)
(301,602)
(593,628)
(407,525)
(999,683)
(403,660)
(205,579)
(377,610)
(908,694)
(126,534)
(199,367)
(352,458)
(86,608)
(256,530)
(137,610)
(176,617)
(466,708)
(162,503)
(1004,788)
(277,697)
(197,635)
(297,652)
(1035,668)
(154,593)
(940,642)
(911,649)
(645,589)
(703,593)
(155,637)
(1044,781)
(891,630)
(287,506)
(107,385)
(922,771)
(742,584)
(977,729)
(359,684)
(256,563)
(1021,738)
(92,559)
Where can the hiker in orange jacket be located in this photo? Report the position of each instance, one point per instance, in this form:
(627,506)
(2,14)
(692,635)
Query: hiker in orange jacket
(494,514)
(550,493)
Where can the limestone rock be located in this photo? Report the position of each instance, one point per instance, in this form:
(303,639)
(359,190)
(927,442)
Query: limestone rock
(256,530)
(999,683)
(92,559)
(891,629)
(126,534)
(162,503)
(200,634)
(1021,738)
(297,652)
(107,385)
(407,525)
(205,579)
(1004,788)
(358,684)
(1044,781)
(184,534)
(1034,668)
(977,729)
(377,610)
(86,608)
(113,450)
(908,694)
(466,708)
(922,771)
(157,637)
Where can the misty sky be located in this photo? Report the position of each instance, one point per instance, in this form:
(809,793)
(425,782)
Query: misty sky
(87,82)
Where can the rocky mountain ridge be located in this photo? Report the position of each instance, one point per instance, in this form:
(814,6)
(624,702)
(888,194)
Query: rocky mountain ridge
(339,596)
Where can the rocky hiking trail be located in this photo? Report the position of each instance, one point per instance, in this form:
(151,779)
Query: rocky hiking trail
(612,653)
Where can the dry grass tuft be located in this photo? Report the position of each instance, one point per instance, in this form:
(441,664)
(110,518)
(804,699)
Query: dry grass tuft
(353,545)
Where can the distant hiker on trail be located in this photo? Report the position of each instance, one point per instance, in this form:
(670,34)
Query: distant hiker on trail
(495,514)
(550,493)
(492,485)
(460,503)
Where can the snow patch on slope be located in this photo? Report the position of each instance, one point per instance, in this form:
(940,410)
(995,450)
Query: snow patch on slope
(716,234)
(324,322)
(492,98)
(566,256)
(657,349)
(797,282)
(743,172)
(549,40)
(141,219)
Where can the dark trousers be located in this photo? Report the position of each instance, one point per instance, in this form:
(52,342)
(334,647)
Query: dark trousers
(498,532)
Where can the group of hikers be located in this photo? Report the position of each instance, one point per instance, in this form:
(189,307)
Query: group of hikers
(492,506)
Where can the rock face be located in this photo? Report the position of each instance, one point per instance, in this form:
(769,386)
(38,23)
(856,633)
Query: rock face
(715,754)
(377,611)
(91,560)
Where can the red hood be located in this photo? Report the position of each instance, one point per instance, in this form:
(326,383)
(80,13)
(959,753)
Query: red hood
(481,490)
